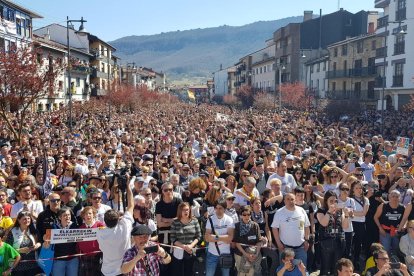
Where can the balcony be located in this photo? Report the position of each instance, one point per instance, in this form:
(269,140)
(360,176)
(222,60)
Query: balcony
(363,71)
(401,14)
(363,95)
(379,4)
(397,81)
(382,22)
(80,69)
(99,74)
(399,48)
(337,74)
(381,52)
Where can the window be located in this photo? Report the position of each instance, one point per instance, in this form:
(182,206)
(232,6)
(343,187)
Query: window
(334,66)
(18,26)
(399,47)
(333,86)
(345,66)
(324,66)
(11,15)
(60,85)
(78,83)
(318,67)
(399,69)
(317,84)
(344,86)
(360,47)
(335,52)
(374,45)
(344,50)
(261,70)
(401,12)
(264,69)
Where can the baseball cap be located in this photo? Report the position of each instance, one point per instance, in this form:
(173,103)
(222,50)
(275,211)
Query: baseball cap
(141,230)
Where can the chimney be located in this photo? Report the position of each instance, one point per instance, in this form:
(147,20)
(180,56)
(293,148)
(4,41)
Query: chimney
(307,15)
(371,28)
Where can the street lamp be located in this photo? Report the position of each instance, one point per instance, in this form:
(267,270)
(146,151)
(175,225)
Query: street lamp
(82,32)
(280,67)
(402,31)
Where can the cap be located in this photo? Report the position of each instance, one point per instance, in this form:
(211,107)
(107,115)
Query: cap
(141,230)
(139,179)
(95,177)
(290,157)
(229,195)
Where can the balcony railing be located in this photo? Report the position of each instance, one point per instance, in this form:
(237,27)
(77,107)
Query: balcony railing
(379,4)
(382,22)
(354,72)
(381,52)
(361,95)
(401,14)
(397,81)
(80,69)
(399,48)
(99,74)
(98,92)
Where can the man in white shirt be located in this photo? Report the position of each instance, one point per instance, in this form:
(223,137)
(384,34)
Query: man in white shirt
(291,228)
(26,203)
(115,240)
(288,181)
(220,237)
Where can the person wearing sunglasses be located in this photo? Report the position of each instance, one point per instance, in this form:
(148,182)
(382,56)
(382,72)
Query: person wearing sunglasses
(388,218)
(49,216)
(344,201)
(96,199)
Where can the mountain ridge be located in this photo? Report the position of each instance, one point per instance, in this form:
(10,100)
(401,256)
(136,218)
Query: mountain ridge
(196,53)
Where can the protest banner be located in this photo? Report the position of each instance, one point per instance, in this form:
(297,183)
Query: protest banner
(72,235)
(402,145)
(222,117)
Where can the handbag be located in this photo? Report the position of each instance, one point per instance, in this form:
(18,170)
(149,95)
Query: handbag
(45,259)
(225,260)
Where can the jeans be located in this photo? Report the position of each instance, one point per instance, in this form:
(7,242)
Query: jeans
(391,244)
(182,267)
(66,268)
(331,252)
(348,245)
(211,264)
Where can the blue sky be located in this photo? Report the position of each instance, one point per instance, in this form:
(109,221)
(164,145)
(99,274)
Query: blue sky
(114,19)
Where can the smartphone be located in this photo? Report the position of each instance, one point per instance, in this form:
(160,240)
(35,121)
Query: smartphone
(296,262)
(395,265)
(151,249)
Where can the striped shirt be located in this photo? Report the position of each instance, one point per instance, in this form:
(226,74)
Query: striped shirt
(185,233)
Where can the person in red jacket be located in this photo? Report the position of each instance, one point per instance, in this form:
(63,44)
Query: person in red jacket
(90,263)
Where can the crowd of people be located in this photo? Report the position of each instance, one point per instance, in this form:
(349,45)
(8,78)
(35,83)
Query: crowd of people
(203,189)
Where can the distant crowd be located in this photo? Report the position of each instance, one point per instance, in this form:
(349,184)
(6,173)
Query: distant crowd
(205,190)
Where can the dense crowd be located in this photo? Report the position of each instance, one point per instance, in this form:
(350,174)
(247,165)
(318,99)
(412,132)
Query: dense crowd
(201,189)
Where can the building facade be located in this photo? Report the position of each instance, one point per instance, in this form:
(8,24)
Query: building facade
(316,77)
(16,25)
(263,69)
(397,32)
(103,65)
(352,70)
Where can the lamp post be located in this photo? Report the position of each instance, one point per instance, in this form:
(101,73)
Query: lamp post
(280,67)
(401,32)
(81,32)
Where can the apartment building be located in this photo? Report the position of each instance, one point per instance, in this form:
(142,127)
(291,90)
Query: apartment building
(352,70)
(394,60)
(16,25)
(262,71)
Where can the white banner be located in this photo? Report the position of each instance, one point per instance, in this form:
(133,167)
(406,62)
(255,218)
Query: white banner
(73,235)
(222,117)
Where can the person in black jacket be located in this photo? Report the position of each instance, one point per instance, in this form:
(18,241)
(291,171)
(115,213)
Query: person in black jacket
(48,217)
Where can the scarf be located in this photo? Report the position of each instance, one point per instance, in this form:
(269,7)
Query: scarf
(258,218)
(245,227)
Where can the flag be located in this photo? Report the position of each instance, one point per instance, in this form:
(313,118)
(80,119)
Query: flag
(191,95)
(47,179)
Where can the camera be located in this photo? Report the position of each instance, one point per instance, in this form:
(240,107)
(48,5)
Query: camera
(122,178)
(151,249)
(395,265)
